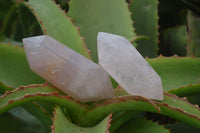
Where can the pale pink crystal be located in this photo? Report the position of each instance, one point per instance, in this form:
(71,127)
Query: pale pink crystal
(66,69)
(125,64)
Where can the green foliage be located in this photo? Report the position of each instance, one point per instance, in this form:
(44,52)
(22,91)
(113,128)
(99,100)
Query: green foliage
(61,28)
(26,105)
(14,67)
(186,91)
(89,115)
(63,125)
(145,17)
(111,16)
(177,72)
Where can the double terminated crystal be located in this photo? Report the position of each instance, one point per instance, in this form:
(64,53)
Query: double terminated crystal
(85,80)
(66,69)
(125,64)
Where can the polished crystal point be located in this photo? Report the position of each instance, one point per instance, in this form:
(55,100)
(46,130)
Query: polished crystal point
(125,64)
(66,69)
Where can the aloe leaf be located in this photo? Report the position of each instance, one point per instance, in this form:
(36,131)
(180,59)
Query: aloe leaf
(64,4)
(4,88)
(14,67)
(172,106)
(43,92)
(186,91)
(89,115)
(177,72)
(100,110)
(75,109)
(180,109)
(141,125)
(194,34)
(62,125)
(55,23)
(174,41)
(32,108)
(93,16)
(145,17)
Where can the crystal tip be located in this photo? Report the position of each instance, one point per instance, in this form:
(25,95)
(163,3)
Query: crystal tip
(34,42)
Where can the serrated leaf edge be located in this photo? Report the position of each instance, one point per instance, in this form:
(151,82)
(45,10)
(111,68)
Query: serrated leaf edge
(178,109)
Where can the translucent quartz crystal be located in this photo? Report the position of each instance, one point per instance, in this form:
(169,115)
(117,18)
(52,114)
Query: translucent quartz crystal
(66,69)
(125,64)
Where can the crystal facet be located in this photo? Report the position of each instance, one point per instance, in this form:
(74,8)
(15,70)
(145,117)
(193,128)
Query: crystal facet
(125,64)
(66,69)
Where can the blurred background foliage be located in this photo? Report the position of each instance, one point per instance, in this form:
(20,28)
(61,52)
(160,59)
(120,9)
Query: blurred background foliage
(178,26)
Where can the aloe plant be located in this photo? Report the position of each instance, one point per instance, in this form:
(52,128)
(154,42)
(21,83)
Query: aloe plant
(29,104)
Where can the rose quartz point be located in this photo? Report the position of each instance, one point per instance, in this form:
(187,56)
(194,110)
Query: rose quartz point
(125,64)
(67,70)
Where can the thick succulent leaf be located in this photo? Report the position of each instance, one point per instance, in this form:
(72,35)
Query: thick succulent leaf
(93,16)
(91,114)
(4,88)
(14,67)
(194,34)
(145,17)
(64,4)
(42,92)
(186,91)
(174,41)
(74,108)
(179,109)
(62,125)
(171,106)
(141,125)
(177,72)
(15,72)
(56,24)
(32,108)
(100,110)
